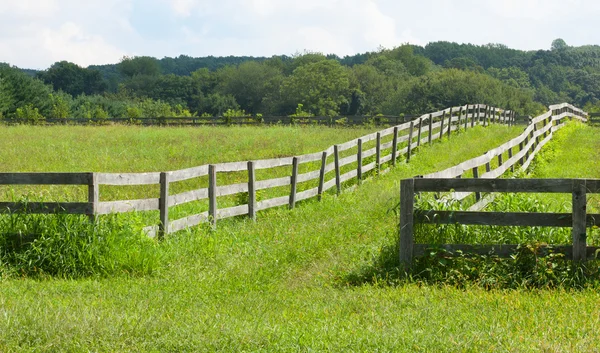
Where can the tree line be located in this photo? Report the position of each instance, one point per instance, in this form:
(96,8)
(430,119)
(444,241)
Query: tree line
(404,80)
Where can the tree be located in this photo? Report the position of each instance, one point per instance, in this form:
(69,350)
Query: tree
(73,79)
(139,65)
(249,83)
(322,87)
(559,44)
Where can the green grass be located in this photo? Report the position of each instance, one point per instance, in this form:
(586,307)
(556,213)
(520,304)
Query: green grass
(282,284)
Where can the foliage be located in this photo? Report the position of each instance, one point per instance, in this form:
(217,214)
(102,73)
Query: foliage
(73,79)
(28,115)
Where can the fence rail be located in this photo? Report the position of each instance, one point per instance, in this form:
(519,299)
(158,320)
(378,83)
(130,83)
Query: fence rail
(405,138)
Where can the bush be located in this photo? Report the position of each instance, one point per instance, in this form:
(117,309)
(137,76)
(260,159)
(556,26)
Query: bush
(69,246)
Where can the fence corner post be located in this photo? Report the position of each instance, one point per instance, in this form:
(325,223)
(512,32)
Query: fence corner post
(93,196)
(407,199)
(322,175)
(163,205)
(338,179)
(579,220)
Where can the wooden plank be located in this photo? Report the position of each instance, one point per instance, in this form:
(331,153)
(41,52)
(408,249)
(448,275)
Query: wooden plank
(386,158)
(450,123)
(501,251)
(369,167)
(579,220)
(46,178)
(231,167)
(80,208)
(347,176)
(347,160)
(272,163)
(294,182)
(407,197)
(329,184)
(251,191)
(307,194)
(348,145)
(212,195)
(189,196)
(163,205)
(187,222)
(128,178)
(232,189)
(186,174)
(274,202)
(272,183)
(370,152)
(528,219)
(125,206)
(307,158)
(232,211)
(494,185)
(475,176)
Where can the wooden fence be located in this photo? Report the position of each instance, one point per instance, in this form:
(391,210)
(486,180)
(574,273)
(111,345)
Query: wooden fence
(578,219)
(467,174)
(403,140)
(381,120)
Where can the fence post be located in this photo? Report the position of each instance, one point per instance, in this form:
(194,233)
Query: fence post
(378,153)
(475,176)
(450,123)
(579,220)
(409,148)
(500,161)
(472,116)
(466,117)
(322,175)
(430,129)
(359,161)
(212,195)
(338,180)
(395,146)
(294,183)
(252,191)
(163,205)
(510,155)
(442,125)
(419,132)
(93,196)
(407,199)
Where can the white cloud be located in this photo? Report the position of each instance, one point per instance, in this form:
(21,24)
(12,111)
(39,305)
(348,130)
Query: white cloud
(28,8)
(70,41)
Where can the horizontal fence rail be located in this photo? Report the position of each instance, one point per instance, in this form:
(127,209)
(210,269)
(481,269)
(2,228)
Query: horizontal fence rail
(577,219)
(349,161)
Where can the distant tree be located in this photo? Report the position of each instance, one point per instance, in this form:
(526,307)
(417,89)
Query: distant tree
(559,44)
(322,87)
(139,65)
(73,79)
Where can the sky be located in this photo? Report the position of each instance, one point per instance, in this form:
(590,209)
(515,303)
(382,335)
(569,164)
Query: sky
(37,33)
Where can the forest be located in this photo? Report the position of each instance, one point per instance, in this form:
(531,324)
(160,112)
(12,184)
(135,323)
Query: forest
(407,79)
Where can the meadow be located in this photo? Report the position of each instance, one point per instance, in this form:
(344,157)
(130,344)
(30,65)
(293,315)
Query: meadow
(317,278)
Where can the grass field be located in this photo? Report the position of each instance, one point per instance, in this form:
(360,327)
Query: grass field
(285,283)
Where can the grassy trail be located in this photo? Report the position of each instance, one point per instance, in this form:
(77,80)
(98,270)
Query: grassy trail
(281,284)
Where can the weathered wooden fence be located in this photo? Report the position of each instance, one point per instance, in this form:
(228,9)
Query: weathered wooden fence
(404,139)
(578,219)
(351,120)
(495,162)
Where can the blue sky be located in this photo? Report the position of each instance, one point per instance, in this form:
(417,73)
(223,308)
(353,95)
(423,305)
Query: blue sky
(37,33)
